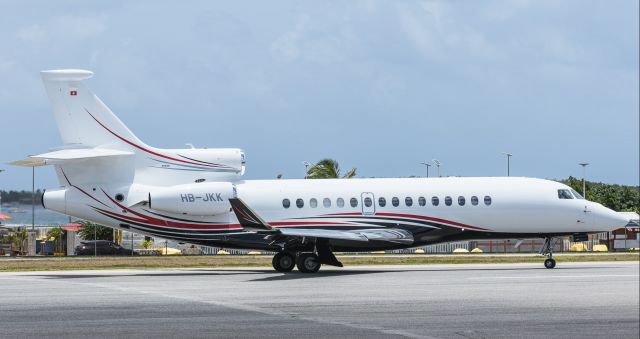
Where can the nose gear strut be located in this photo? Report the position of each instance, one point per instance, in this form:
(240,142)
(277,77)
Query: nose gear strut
(547,249)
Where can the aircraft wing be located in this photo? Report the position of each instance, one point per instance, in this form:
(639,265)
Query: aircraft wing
(320,233)
(251,221)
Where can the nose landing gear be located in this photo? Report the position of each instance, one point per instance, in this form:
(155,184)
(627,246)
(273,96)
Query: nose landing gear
(547,249)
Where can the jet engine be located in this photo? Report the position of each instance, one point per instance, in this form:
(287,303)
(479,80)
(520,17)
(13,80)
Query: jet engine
(203,199)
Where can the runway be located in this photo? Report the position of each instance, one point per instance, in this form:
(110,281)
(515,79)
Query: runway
(585,300)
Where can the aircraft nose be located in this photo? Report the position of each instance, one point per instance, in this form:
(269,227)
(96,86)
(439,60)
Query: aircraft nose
(610,219)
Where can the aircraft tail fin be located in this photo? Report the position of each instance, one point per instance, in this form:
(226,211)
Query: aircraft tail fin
(82,118)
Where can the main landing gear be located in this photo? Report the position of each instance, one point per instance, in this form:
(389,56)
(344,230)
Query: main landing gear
(547,249)
(308,260)
(308,263)
(284,262)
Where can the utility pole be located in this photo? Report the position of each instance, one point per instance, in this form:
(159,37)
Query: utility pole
(33,198)
(1,170)
(427,165)
(584,174)
(306,168)
(509,155)
(437,163)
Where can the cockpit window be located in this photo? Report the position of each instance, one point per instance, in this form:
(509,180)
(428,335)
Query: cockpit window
(564,194)
(576,194)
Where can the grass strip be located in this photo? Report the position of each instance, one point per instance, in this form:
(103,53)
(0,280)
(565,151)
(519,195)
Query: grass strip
(220,261)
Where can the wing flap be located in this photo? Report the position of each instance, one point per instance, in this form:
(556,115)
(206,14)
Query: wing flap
(394,235)
(320,233)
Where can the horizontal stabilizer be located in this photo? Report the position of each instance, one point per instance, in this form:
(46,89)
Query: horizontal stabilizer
(68,155)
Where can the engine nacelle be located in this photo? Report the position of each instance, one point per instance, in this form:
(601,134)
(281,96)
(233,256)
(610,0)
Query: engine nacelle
(226,160)
(203,199)
(55,200)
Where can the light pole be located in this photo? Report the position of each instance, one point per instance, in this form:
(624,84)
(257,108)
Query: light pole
(437,163)
(584,174)
(33,198)
(428,165)
(306,168)
(509,155)
(1,170)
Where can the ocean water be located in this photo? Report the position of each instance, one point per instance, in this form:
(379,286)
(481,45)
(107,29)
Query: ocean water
(21,215)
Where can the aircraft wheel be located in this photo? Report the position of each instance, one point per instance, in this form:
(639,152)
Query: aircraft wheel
(549,263)
(308,263)
(283,262)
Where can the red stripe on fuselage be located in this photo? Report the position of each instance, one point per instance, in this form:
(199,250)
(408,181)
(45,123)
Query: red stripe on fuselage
(150,151)
(161,222)
(412,216)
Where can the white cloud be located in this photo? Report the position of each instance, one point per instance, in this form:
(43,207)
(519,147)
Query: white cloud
(439,32)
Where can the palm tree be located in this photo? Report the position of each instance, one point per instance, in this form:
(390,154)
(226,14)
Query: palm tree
(57,233)
(89,230)
(328,169)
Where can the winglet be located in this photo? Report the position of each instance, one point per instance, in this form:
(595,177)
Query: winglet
(247,217)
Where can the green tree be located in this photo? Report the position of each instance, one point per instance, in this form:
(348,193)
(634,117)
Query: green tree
(18,240)
(57,233)
(615,197)
(328,169)
(101,232)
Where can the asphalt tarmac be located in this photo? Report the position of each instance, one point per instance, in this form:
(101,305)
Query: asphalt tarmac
(577,300)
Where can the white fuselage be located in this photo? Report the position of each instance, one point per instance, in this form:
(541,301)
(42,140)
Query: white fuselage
(505,206)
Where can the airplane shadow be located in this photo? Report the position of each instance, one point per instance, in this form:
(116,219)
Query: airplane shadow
(329,273)
(294,275)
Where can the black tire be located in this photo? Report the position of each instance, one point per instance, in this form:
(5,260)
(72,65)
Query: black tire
(283,262)
(549,263)
(308,263)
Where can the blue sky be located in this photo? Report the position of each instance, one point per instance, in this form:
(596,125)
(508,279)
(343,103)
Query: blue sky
(377,85)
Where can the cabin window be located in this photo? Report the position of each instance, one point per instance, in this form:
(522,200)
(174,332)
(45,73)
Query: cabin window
(368,202)
(382,202)
(408,201)
(448,201)
(422,201)
(326,202)
(119,196)
(353,202)
(313,203)
(487,200)
(461,200)
(435,201)
(474,200)
(300,203)
(286,203)
(564,194)
(576,194)
(340,202)
(395,201)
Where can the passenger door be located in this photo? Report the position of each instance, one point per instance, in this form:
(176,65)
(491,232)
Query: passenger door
(368,202)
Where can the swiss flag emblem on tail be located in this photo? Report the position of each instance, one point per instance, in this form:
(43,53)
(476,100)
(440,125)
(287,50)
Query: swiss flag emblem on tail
(73,92)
